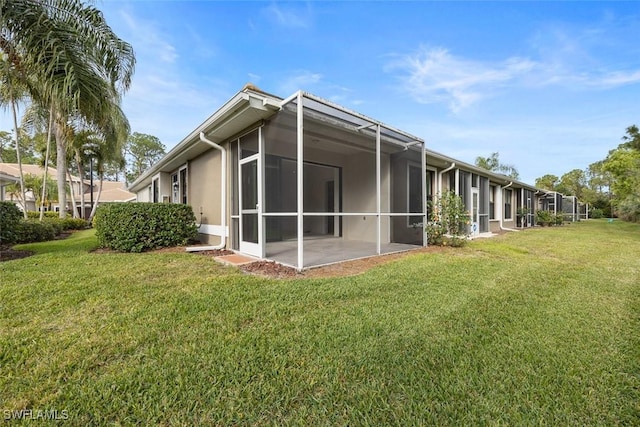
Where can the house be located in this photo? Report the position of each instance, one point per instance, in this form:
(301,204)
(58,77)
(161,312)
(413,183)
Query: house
(111,191)
(305,182)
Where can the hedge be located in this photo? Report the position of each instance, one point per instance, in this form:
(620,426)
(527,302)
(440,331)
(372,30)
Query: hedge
(36,231)
(136,227)
(10,217)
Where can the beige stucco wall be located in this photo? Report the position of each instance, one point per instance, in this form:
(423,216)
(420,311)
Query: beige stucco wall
(359,195)
(204,191)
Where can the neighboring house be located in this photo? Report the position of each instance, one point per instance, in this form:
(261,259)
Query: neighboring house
(305,182)
(111,191)
(5,181)
(496,202)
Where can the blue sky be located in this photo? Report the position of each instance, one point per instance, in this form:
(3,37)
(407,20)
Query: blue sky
(551,86)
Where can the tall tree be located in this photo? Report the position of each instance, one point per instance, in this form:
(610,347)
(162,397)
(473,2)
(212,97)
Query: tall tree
(573,183)
(492,163)
(547,182)
(632,138)
(78,63)
(142,151)
(623,164)
(11,92)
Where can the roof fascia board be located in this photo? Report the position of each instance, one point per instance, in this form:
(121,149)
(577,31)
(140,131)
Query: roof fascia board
(239,103)
(479,170)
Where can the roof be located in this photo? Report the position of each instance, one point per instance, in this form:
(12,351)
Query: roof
(498,177)
(245,108)
(114,192)
(252,105)
(13,169)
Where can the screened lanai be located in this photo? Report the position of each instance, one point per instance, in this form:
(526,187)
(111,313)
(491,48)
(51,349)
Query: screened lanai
(317,184)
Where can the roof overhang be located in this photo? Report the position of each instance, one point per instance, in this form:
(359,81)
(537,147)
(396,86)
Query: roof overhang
(244,109)
(8,179)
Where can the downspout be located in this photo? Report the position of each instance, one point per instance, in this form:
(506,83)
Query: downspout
(502,227)
(442,172)
(223,199)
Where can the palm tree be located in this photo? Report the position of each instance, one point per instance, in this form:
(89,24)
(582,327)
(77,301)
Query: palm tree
(36,118)
(73,61)
(11,91)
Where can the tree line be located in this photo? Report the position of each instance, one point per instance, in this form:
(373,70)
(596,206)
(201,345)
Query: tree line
(610,186)
(61,59)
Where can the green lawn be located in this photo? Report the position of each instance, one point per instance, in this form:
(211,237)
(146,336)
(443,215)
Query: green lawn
(539,327)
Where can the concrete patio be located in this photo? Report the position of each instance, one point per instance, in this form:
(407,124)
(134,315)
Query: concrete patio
(322,250)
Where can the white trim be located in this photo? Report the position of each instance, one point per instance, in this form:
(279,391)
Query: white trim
(213,230)
(300,177)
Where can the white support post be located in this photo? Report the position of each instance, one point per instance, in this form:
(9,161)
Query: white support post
(379,219)
(424,194)
(300,164)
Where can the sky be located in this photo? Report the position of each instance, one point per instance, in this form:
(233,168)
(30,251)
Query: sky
(550,86)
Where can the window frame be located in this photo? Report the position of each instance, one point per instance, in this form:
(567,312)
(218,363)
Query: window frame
(410,219)
(508,203)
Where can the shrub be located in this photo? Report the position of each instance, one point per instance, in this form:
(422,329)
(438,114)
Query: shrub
(10,217)
(74,223)
(435,233)
(596,213)
(135,227)
(449,221)
(558,219)
(35,231)
(629,208)
(47,214)
(54,223)
(544,218)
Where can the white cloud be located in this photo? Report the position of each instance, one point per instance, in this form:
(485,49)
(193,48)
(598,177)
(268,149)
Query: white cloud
(435,76)
(164,100)
(146,38)
(299,80)
(614,79)
(286,17)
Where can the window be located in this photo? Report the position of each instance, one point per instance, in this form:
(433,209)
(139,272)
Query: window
(415,194)
(183,185)
(179,186)
(156,190)
(492,206)
(175,188)
(507,204)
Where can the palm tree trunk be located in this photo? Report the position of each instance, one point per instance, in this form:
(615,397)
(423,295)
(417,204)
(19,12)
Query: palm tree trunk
(73,198)
(46,165)
(95,202)
(61,165)
(81,174)
(19,157)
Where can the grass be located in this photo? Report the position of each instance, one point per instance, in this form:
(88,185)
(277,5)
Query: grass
(539,327)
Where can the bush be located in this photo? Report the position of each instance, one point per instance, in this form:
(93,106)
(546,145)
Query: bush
(629,209)
(596,213)
(10,217)
(136,227)
(74,224)
(47,214)
(449,221)
(544,218)
(435,233)
(35,231)
(558,219)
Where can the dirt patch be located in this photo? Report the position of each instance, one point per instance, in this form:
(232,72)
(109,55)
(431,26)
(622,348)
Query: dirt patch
(218,252)
(8,254)
(270,269)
